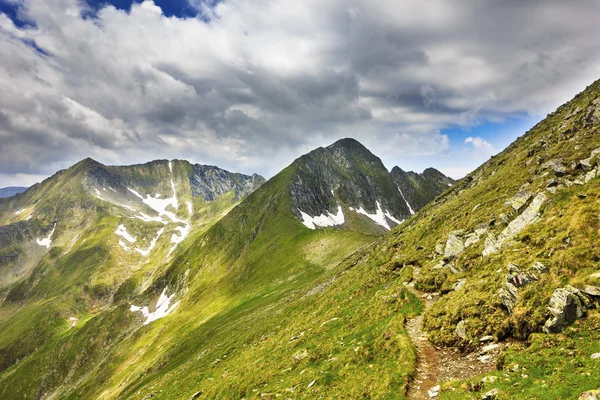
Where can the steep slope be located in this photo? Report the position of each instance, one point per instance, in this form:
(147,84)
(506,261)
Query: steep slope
(252,259)
(344,333)
(11,191)
(331,182)
(92,234)
(419,189)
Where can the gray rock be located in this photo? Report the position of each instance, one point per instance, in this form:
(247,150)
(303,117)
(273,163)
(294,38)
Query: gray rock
(593,291)
(509,296)
(566,305)
(556,166)
(461,330)
(539,267)
(439,248)
(454,244)
(529,216)
(590,395)
(488,338)
(519,200)
(434,392)
(595,356)
(590,175)
(491,395)
(490,347)
(519,278)
(459,284)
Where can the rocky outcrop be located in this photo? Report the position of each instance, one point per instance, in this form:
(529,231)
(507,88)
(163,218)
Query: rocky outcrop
(566,306)
(454,244)
(509,293)
(531,214)
(519,200)
(210,182)
(419,189)
(345,173)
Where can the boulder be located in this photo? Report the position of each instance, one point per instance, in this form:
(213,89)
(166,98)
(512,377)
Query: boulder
(590,175)
(593,291)
(434,392)
(461,330)
(491,395)
(529,216)
(539,267)
(519,278)
(519,200)
(454,245)
(556,166)
(595,356)
(459,284)
(590,395)
(509,296)
(566,305)
(439,248)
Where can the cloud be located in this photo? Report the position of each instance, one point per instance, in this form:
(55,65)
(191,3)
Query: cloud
(251,87)
(483,147)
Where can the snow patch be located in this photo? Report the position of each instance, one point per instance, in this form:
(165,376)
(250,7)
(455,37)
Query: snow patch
(162,309)
(20,211)
(47,240)
(190,209)
(122,231)
(323,220)
(379,217)
(412,212)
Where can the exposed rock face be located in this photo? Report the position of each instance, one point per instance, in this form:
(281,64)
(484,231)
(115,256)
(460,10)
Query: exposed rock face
(345,173)
(509,294)
(556,166)
(519,200)
(210,182)
(530,215)
(454,244)
(566,306)
(420,189)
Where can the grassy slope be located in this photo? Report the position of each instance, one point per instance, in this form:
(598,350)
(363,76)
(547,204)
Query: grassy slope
(247,325)
(254,257)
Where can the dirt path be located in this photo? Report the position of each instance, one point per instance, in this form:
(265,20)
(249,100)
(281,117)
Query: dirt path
(436,365)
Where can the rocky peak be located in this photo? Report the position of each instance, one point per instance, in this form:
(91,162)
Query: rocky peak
(420,189)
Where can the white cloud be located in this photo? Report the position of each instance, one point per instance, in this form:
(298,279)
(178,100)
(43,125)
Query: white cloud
(258,85)
(482,146)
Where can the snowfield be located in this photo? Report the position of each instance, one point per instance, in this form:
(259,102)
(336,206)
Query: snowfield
(323,220)
(162,308)
(379,217)
(47,240)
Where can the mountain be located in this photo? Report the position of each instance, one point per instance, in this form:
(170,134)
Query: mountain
(419,189)
(96,247)
(11,191)
(489,290)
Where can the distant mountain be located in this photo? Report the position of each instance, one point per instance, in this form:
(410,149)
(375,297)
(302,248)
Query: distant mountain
(419,189)
(11,191)
(112,275)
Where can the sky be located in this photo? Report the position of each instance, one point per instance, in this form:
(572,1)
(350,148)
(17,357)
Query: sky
(249,85)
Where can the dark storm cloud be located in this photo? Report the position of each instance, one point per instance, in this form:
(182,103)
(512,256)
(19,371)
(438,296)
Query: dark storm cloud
(250,87)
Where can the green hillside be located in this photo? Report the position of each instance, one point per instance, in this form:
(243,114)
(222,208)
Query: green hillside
(256,304)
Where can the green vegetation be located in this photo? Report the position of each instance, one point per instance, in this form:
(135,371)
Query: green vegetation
(266,308)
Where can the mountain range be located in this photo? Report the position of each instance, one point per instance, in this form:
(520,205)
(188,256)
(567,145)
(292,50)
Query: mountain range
(11,191)
(336,278)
